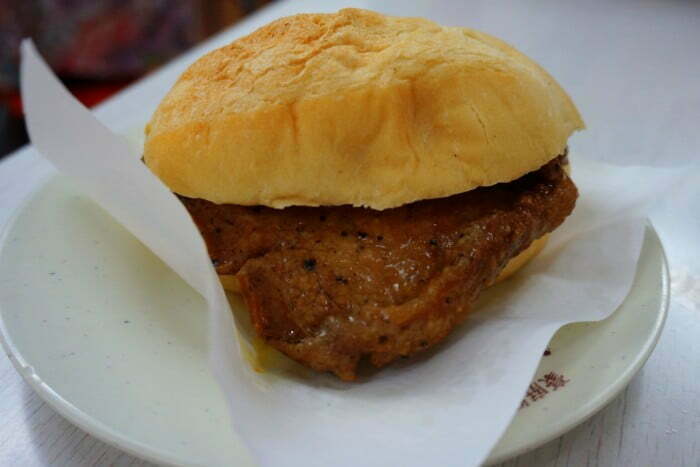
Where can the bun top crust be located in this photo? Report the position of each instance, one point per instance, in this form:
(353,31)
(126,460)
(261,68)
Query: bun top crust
(356,108)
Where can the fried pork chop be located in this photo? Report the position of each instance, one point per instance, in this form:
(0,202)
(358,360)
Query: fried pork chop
(330,286)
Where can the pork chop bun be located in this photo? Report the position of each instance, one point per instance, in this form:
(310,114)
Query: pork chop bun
(346,124)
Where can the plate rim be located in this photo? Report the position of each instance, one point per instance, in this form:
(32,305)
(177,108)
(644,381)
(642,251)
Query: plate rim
(46,393)
(143,451)
(595,405)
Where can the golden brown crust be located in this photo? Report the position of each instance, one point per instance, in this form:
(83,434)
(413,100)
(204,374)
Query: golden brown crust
(230,281)
(356,108)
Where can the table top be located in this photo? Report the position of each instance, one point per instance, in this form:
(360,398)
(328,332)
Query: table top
(632,68)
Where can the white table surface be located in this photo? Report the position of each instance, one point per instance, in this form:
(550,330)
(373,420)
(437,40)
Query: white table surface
(633,68)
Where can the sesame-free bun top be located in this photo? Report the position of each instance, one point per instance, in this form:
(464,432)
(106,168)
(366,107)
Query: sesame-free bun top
(356,108)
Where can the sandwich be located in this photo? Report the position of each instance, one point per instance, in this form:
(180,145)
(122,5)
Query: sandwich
(360,179)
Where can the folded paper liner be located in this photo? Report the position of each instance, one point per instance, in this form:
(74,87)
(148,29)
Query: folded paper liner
(449,407)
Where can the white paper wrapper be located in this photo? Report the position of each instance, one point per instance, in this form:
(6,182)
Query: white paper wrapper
(449,407)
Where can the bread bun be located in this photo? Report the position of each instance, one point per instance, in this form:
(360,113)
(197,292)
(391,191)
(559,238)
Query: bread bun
(230,282)
(525,256)
(356,108)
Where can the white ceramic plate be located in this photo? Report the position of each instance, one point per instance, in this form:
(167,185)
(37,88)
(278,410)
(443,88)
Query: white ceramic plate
(115,341)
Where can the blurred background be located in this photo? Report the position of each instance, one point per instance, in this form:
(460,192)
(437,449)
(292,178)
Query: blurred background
(99,46)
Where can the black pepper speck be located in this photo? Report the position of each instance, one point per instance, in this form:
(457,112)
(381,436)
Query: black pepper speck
(310,264)
(341,279)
